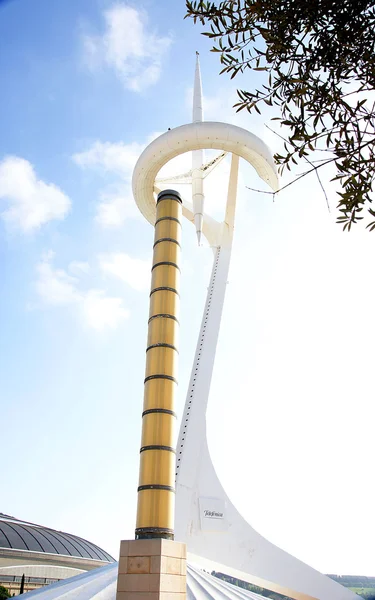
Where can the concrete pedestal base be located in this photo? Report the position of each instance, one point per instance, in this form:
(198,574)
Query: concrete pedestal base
(151,570)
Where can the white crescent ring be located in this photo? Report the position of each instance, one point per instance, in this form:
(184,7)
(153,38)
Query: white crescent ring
(197,136)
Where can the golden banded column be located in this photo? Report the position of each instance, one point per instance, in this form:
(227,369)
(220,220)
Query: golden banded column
(155,513)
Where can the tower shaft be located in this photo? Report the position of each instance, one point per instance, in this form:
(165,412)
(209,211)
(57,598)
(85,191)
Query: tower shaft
(198,156)
(156,493)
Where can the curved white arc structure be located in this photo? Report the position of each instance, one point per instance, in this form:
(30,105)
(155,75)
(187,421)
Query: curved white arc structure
(206,519)
(195,136)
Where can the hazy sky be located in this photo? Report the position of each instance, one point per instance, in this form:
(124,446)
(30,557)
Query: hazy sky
(85,84)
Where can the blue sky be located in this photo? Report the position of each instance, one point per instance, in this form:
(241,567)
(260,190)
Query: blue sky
(85,85)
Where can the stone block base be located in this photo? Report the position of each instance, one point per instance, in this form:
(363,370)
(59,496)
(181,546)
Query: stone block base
(151,570)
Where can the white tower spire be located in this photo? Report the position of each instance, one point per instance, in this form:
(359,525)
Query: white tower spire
(217,536)
(197,101)
(198,156)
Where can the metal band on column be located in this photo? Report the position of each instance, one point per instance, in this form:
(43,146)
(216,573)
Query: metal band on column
(155,512)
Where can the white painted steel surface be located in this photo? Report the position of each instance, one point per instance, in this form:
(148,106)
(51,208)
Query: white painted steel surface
(219,537)
(195,136)
(197,156)
(233,546)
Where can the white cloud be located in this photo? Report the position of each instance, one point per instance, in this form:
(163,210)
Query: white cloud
(114,209)
(103,312)
(134,271)
(31,201)
(56,287)
(113,157)
(116,158)
(78,267)
(128,47)
(116,203)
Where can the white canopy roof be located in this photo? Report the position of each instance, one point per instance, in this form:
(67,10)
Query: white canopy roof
(100,584)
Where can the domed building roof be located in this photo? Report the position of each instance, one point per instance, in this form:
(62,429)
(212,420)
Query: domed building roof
(21,535)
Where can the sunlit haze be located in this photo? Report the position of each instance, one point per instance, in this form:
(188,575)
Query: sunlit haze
(85,86)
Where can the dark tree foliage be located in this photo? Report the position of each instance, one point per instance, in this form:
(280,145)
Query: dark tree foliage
(4,594)
(318,61)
